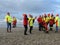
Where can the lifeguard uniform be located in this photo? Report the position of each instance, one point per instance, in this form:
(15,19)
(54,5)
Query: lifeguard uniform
(40,23)
(31,23)
(9,21)
(59,22)
(25,23)
(14,22)
(51,22)
(45,25)
(56,20)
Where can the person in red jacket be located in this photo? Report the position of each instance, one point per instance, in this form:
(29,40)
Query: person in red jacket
(44,23)
(25,23)
(14,22)
(40,22)
(45,28)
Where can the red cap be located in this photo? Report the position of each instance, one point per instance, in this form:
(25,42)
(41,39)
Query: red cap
(49,14)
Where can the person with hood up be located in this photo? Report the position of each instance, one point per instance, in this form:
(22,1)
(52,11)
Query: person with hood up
(40,22)
(25,23)
(31,22)
(45,25)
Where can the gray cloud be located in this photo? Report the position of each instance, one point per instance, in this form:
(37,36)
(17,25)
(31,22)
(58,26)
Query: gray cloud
(28,6)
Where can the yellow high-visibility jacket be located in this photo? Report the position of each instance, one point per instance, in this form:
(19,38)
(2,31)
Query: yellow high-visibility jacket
(56,20)
(30,21)
(59,22)
(14,19)
(46,19)
(8,19)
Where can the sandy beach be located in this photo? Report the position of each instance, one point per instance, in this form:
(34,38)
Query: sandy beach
(17,37)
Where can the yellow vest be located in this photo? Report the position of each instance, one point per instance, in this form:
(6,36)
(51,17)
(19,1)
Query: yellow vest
(59,22)
(56,18)
(8,18)
(31,21)
(46,19)
(14,19)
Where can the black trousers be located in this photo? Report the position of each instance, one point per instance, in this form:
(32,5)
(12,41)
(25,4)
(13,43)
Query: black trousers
(51,27)
(31,28)
(9,26)
(40,27)
(25,31)
(14,26)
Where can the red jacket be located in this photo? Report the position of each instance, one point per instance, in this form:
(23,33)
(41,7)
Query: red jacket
(14,22)
(25,21)
(51,22)
(45,25)
(39,20)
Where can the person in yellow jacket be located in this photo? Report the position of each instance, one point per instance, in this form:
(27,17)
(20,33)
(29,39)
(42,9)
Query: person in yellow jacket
(59,22)
(51,22)
(31,22)
(45,24)
(56,21)
(46,18)
(8,19)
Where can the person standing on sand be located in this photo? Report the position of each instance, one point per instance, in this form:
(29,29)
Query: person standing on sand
(25,23)
(51,22)
(56,21)
(45,24)
(40,22)
(59,22)
(8,19)
(31,22)
(48,18)
(14,22)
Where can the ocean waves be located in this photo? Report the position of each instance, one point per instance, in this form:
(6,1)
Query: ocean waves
(19,23)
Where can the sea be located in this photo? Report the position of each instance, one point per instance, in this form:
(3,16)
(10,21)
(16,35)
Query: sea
(19,23)
(3,24)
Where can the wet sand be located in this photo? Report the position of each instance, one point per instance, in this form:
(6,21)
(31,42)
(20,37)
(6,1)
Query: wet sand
(17,37)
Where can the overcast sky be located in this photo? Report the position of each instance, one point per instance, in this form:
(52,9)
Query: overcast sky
(34,7)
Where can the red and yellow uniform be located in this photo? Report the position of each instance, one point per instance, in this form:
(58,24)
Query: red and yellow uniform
(56,20)
(45,25)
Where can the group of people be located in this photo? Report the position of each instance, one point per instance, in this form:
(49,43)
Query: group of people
(27,21)
(45,22)
(9,21)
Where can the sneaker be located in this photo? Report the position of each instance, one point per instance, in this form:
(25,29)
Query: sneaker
(25,34)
